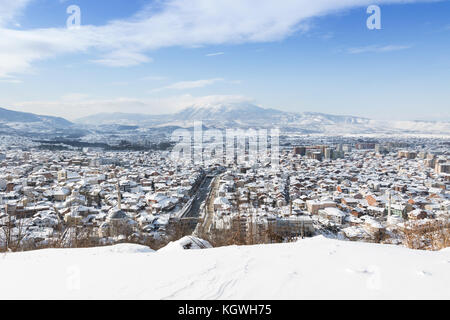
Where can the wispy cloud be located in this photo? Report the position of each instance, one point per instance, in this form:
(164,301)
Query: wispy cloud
(123,59)
(9,10)
(183,85)
(127,42)
(11,80)
(377,49)
(215,54)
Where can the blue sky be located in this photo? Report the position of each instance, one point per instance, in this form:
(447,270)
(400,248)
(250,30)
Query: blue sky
(160,56)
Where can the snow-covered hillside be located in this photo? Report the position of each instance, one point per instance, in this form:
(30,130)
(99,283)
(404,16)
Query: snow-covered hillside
(229,115)
(311,268)
(221,116)
(16,117)
(248,115)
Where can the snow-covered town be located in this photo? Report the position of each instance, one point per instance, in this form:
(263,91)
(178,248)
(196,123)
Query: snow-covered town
(359,191)
(223,150)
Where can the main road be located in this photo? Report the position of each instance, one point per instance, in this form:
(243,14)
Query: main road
(199,198)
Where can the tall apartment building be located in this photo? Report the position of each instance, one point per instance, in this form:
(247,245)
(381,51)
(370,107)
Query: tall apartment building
(443,168)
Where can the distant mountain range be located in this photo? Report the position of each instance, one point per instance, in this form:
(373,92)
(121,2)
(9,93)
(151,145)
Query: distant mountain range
(224,115)
(247,115)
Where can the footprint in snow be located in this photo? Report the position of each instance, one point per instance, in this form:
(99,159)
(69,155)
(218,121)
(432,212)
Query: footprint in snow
(424,273)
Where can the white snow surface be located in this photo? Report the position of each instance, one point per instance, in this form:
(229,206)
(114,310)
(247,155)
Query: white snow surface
(315,268)
(186,243)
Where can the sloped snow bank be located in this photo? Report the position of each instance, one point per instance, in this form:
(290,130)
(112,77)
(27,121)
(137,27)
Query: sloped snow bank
(186,243)
(311,268)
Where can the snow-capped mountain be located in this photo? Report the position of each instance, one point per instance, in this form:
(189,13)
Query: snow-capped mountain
(241,113)
(227,112)
(9,116)
(25,123)
(247,115)
(229,115)
(223,115)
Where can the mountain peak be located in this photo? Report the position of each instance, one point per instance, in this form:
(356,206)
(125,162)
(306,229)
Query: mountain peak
(225,112)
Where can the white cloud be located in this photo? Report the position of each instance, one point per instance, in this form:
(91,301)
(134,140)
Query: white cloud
(10,9)
(183,85)
(175,23)
(19,49)
(123,59)
(215,54)
(11,80)
(378,49)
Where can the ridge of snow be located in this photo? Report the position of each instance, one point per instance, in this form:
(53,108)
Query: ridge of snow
(308,269)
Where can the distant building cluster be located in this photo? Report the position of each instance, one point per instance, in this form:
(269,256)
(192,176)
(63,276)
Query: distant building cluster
(115,195)
(361,191)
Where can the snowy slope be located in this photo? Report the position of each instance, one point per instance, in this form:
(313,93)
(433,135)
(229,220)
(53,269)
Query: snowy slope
(229,115)
(311,268)
(248,115)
